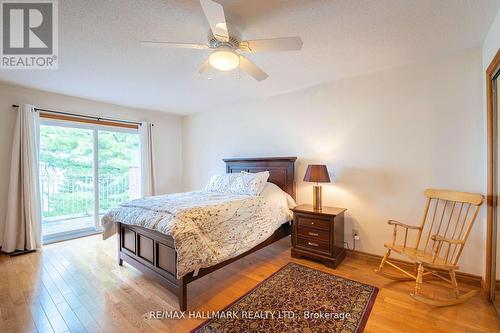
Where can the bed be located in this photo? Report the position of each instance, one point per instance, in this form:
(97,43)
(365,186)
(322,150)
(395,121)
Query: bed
(154,253)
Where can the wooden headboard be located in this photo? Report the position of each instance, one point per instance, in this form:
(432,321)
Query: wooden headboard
(281,169)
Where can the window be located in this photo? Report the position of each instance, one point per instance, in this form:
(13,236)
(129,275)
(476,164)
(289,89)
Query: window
(85,170)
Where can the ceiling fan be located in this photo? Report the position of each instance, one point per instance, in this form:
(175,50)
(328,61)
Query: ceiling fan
(226,44)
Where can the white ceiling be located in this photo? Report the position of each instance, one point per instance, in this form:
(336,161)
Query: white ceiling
(100,57)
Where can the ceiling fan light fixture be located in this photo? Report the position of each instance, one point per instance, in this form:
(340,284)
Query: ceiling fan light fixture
(224,60)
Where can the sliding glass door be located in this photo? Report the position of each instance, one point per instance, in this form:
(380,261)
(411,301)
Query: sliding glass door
(66,179)
(118,168)
(85,170)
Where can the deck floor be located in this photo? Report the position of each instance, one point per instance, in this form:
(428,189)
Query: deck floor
(59,226)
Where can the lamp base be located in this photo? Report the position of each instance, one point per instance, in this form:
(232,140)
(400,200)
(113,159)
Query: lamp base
(317,197)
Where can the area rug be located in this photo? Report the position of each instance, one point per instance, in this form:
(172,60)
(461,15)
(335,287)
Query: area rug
(297,299)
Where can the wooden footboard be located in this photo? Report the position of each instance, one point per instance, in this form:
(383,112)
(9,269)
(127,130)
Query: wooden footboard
(153,253)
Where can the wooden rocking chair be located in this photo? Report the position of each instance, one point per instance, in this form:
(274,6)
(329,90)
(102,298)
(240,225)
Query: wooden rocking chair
(439,241)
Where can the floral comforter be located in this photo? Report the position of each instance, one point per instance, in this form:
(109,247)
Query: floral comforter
(207,227)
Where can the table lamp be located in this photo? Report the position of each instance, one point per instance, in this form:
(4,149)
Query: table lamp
(317,173)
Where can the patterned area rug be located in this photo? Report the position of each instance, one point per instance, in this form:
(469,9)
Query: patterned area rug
(297,299)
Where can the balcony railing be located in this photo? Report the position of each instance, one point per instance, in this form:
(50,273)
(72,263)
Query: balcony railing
(70,197)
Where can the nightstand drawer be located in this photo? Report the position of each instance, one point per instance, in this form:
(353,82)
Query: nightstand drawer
(303,221)
(314,244)
(315,234)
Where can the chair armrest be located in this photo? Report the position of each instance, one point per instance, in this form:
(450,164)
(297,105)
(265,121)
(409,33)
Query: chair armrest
(447,240)
(407,226)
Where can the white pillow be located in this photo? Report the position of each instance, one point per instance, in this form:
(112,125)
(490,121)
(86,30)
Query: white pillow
(274,192)
(278,203)
(220,183)
(249,183)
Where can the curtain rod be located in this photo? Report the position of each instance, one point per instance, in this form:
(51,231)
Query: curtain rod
(85,116)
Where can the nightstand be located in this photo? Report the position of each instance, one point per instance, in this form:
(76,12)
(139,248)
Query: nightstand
(319,234)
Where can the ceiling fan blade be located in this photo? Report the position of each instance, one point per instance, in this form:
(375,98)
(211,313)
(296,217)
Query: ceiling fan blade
(272,44)
(252,69)
(214,13)
(205,67)
(172,45)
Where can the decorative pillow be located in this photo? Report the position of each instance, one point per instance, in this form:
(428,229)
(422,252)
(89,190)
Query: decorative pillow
(221,183)
(249,183)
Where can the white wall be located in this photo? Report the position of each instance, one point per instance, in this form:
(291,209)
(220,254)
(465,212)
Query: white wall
(167,132)
(386,136)
(491,42)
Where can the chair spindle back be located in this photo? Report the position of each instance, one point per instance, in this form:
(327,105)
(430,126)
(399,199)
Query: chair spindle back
(450,215)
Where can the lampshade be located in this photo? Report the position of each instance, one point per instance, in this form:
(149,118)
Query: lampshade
(317,173)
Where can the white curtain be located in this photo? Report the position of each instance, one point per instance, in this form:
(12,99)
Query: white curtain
(21,229)
(147,165)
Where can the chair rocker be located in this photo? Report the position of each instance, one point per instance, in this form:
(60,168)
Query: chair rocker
(438,242)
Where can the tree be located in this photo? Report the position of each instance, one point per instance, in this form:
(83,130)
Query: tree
(66,168)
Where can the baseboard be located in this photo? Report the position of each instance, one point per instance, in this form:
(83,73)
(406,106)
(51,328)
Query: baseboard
(467,278)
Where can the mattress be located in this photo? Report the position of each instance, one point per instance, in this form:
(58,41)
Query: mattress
(207,227)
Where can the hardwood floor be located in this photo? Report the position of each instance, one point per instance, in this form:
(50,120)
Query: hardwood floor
(48,292)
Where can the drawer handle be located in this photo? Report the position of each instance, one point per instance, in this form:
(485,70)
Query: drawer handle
(313,234)
(312,244)
(312,223)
